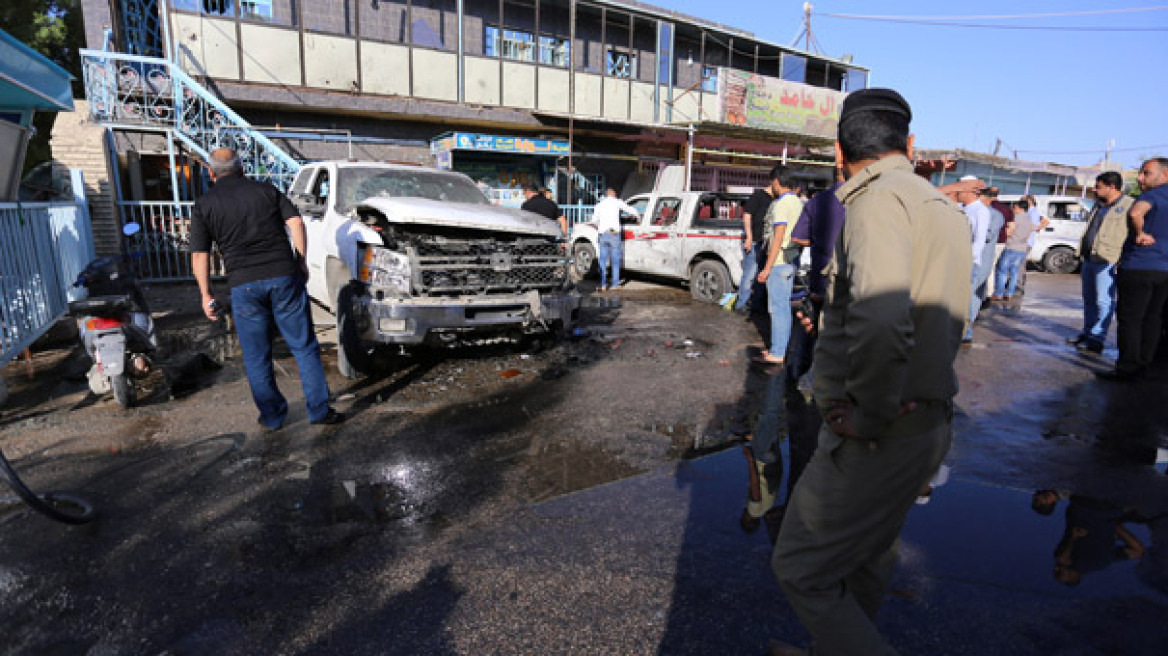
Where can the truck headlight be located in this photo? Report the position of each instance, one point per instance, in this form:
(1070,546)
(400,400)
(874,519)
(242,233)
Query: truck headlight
(384,269)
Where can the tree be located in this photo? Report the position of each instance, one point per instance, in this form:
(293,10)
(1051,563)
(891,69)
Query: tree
(54,28)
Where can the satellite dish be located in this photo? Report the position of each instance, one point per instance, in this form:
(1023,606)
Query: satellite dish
(131,229)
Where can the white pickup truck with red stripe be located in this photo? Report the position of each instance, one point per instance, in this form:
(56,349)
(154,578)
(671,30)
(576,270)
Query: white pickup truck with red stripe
(695,237)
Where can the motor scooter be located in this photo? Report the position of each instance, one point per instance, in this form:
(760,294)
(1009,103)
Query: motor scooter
(114,324)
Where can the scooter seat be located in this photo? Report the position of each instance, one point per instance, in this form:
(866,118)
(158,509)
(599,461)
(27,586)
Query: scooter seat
(101,305)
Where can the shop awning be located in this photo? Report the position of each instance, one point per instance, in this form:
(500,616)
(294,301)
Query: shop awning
(28,80)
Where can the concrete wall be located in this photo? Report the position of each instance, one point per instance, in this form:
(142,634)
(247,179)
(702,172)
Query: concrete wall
(330,62)
(271,55)
(435,75)
(79,144)
(384,69)
(206,46)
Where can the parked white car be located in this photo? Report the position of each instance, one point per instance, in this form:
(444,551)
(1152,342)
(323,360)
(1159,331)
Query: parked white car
(406,255)
(1056,248)
(694,237)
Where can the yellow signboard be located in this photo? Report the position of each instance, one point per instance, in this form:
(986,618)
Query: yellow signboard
(768,103)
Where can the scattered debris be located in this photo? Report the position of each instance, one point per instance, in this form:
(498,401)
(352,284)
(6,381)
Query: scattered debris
(510,373)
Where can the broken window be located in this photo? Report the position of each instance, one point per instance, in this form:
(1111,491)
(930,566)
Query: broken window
(621,63)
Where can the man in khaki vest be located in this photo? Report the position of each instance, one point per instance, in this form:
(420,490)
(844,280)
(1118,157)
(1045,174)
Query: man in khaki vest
(1100,250)
(897,295)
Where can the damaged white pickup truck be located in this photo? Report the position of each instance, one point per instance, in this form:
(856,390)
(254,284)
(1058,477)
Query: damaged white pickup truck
(407,256)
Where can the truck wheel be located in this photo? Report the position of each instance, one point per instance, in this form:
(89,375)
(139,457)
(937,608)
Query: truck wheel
(1060,260)
(123,392)
(583,260)
(709,281)
(354,356)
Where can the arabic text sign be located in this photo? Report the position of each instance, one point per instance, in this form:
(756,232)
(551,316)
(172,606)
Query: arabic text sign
(501,144)
(769,103)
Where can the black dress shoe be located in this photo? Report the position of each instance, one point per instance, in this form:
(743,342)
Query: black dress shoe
(332,418)
(1090,345)
(1076,340)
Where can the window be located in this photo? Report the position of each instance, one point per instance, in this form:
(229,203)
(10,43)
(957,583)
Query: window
(258,9)
(794,68)
(209,7)
(640,204)
(855,80)
(510,44)
(665,214)
(710,79)
(553,51)
(621,63)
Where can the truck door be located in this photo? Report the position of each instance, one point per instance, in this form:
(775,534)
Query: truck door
(314,206)
(660,247)
(632,232)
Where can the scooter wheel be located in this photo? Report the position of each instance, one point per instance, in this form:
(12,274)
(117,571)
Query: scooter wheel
(123,392)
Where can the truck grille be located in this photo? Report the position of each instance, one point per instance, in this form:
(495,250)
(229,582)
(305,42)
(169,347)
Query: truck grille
(458,267)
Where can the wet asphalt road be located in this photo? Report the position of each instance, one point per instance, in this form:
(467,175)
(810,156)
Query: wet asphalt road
(583,498)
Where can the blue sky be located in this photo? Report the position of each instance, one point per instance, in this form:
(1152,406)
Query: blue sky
(1043,93)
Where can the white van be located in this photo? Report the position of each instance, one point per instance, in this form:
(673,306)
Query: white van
(1056,249)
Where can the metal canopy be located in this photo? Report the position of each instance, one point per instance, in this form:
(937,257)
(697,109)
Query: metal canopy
(28,80)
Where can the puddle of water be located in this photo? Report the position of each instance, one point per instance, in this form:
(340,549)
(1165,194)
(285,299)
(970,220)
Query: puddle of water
(991,536)
(557,468)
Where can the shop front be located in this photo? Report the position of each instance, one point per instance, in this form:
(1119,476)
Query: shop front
(501,165)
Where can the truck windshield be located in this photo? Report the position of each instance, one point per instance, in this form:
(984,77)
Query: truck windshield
(357,184)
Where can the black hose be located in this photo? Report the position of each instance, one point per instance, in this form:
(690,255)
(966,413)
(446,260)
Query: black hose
(45,504)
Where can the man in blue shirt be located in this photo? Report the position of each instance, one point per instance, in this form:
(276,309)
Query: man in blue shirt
(1143,275)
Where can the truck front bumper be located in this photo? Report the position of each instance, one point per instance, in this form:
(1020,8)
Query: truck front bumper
(415,321)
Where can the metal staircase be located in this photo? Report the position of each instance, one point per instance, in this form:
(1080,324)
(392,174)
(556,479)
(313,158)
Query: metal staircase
(136,92)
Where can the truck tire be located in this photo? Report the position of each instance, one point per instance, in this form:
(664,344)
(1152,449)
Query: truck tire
(1060,260)
(123,391)
(354,355)
(583,260)
(709,281)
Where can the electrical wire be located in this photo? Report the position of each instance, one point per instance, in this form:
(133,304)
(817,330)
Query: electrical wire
(1064,14)
(1093,150)
(1048,28)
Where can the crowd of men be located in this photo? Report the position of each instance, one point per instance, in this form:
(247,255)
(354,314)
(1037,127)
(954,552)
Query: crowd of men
(901,276)
(900,273)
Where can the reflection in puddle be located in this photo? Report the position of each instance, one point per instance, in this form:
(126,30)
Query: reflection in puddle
(1017,541)
(557,468)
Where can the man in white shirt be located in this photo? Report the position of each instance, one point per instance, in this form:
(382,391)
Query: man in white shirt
(979,225)
(606,214)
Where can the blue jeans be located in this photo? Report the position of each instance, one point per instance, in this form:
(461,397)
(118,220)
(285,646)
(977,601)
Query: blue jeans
(974,301)
(1008,265)
(749,273)
(284,302)
(779,285)
(610,252)
(1098,299)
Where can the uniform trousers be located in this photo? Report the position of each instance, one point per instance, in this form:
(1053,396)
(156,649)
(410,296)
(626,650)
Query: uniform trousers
(836,550)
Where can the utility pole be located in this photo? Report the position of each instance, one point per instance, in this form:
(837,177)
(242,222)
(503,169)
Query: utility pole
(807,26)
(1107,153)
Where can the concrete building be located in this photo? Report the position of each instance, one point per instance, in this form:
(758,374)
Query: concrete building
(570,94)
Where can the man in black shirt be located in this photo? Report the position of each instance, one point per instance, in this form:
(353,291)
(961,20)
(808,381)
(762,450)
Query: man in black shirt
(251,221)
(752,221)
(543,206)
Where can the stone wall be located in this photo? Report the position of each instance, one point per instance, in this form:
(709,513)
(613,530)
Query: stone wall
(80,144)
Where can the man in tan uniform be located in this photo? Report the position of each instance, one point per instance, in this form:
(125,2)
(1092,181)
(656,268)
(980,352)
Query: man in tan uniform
(897,295)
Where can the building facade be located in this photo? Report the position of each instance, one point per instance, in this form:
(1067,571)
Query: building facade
(614,90)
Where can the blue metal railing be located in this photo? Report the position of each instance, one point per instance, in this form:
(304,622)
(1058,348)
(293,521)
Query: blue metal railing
(137,91)
(163,252)
(43,246)
(577,213)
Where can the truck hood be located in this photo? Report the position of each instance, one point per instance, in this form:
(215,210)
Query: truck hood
(492,218)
